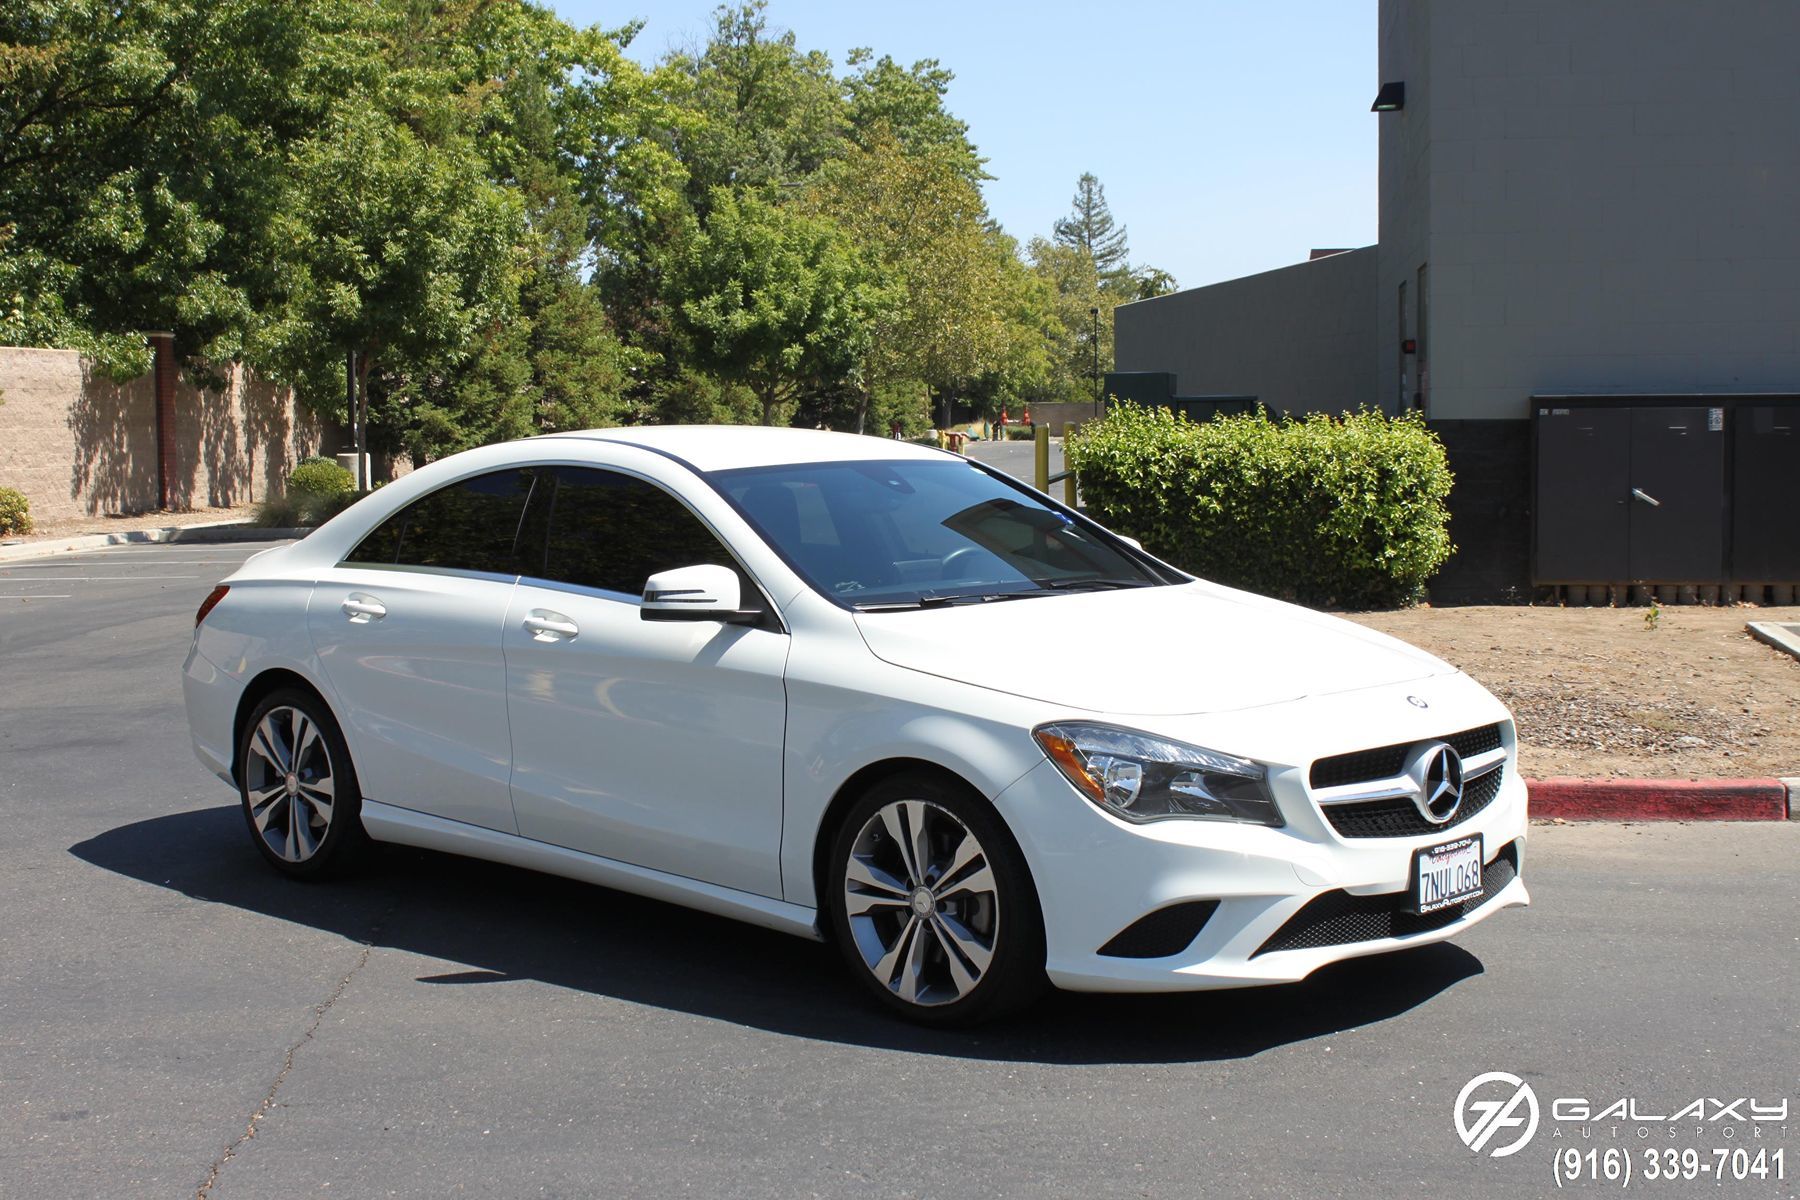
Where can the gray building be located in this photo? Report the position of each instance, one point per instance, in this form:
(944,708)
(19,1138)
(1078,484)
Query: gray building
(1589,209)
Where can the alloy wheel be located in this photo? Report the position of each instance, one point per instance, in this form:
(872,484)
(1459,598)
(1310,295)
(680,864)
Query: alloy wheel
(289,784)
(922,902)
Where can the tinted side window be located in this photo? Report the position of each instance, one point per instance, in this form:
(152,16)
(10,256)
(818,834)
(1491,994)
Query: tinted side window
(613,532)
(471,525)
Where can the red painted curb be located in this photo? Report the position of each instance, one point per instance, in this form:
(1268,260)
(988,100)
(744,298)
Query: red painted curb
(1659,799)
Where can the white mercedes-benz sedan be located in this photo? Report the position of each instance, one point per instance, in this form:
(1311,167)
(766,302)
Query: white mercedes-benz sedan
(861,691)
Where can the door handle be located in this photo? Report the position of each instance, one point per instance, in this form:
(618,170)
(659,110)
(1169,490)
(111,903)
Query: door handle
(545,626)
(1646,497)
(361,608)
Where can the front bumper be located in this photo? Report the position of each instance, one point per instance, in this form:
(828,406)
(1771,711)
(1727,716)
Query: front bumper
(1097,876)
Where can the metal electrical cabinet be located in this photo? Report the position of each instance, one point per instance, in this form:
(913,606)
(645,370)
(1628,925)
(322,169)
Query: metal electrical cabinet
(1665,489)
(1765,509)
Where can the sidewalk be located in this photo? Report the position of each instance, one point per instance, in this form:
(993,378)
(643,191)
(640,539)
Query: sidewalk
(196,532)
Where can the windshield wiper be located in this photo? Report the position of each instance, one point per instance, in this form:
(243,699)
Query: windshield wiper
(1097,584)
(939,601)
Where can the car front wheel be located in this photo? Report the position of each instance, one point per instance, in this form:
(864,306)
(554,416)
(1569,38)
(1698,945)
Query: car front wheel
(932,904)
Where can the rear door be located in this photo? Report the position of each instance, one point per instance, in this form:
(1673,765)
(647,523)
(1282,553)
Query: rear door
(653,743)
(407,628)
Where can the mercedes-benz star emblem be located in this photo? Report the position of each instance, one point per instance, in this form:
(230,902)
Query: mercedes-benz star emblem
(1437,774)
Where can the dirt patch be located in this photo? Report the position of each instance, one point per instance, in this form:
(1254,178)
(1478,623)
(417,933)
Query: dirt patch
(1600,692)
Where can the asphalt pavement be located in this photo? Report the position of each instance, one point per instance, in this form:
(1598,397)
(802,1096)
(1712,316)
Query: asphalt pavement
(175,1019)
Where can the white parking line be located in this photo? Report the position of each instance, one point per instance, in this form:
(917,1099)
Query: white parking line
(93,578)
(41,596)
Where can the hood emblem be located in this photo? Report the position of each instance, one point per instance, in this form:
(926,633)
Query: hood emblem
(1416,702)
(1436,771)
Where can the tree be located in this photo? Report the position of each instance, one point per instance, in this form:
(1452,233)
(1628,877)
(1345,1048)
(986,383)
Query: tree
(139,172)
(401,251)
(770,298)
(1078,290)
(1090,228)
(886,99)
(767,112)
(921,223)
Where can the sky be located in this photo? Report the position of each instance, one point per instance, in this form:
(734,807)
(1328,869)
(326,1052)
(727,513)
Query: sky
(1232,136)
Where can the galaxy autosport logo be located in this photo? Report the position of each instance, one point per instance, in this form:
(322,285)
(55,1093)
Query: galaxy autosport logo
(1497,1114)
(1490,1108)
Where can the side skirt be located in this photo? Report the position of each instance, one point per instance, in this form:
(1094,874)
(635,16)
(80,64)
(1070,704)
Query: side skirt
(386,823)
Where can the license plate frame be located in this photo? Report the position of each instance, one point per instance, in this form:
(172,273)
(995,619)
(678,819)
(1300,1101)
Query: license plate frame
(1451,858)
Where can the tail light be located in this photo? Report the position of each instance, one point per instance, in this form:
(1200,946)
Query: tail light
(211,602)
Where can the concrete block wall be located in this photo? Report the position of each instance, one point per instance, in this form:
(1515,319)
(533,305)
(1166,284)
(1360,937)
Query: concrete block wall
(79,445)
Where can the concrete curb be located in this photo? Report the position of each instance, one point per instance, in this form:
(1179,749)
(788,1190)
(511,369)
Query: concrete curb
(218,531)
(1665,799)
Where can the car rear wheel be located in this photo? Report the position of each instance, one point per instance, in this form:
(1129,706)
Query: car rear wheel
(932,905)
(299,791)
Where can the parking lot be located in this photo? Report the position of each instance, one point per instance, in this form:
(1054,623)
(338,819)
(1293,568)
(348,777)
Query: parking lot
(175,1019)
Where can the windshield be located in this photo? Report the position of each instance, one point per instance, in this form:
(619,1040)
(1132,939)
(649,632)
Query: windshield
(913,534)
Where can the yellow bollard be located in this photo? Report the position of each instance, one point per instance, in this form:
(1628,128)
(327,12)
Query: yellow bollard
(1041,438)
(1068,475)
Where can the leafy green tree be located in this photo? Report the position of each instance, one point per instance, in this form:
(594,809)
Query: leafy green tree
(1082,303)
(770,298)
(139,166)
(886,99)
(921,224)
(767,112)
(396,249)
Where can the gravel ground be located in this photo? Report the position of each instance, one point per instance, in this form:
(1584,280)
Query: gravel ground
(1602,692)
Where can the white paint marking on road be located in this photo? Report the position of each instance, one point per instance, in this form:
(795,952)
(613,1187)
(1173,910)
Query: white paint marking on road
(94,578)
(40,596)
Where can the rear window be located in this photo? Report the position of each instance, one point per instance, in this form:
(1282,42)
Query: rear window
(471,525)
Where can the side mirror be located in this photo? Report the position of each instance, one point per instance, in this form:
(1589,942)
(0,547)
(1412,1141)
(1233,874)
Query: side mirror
(704,593)
(1130,541)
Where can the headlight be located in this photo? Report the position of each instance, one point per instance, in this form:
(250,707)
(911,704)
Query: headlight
(1144,778)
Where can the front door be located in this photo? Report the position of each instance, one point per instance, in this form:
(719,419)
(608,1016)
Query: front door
(657,744)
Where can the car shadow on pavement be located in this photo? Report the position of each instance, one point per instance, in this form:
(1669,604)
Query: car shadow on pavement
(492,923)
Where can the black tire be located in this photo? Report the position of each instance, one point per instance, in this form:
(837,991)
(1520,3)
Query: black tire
(325,846)
(1006,921)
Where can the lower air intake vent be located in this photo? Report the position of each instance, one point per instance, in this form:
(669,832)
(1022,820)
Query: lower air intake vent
(1341,919)
(1164,932)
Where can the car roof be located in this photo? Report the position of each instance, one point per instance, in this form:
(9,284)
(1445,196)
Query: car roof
(725,447)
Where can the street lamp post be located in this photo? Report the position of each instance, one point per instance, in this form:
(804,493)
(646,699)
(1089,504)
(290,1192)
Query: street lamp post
(1094,312)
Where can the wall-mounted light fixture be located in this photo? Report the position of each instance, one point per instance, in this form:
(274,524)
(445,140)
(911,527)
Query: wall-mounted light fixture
(1391,98)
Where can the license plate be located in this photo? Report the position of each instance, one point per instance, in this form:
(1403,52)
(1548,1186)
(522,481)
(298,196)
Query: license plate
(1446,874)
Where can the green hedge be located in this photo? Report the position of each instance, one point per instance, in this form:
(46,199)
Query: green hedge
(15,512)
(320,477)
(1335,512)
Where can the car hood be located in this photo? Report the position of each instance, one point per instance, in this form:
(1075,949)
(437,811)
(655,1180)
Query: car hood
(1162,651)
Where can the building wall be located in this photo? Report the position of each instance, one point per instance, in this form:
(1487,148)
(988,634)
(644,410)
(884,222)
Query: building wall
(79,445)
(1611,188)
(1300,338)
(1405,175)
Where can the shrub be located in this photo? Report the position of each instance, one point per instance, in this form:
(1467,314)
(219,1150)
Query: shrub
(1335,512)
(320,477)
(15,512)
(299,510)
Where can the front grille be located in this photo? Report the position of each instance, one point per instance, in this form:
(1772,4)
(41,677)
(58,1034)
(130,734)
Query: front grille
(1164,932)
(1401,817)
(1385,762)
(1341,919)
